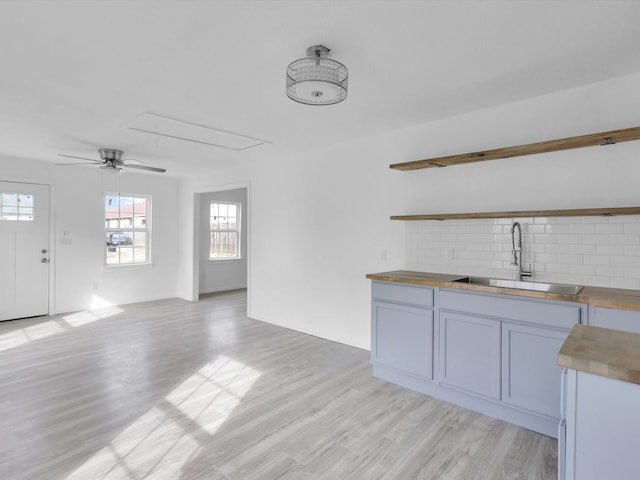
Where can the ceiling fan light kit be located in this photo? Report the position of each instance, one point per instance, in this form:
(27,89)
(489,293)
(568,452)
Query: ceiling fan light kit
(317,79)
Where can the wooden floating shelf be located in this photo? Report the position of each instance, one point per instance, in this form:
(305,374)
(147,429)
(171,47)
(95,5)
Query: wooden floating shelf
(603,138)
(607,212)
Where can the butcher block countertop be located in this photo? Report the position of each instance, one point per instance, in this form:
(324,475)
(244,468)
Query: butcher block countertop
(602,351)
(596,296)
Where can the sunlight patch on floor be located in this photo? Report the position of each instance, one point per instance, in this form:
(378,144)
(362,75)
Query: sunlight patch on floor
(43,329)
(29,334)
(166,438)
(88,316)
(153,445)
(211,394)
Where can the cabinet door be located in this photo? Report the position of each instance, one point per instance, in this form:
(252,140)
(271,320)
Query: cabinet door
(402,338)
(470,353)
(531,377)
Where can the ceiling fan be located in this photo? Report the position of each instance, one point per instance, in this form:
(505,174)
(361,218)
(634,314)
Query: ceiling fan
(111,159)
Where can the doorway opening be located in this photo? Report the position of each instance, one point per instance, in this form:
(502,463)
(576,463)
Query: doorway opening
(222,247)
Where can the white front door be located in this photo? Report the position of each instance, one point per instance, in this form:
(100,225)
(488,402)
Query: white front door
(24,250)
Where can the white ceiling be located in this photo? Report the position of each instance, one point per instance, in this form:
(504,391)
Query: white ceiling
(75,73)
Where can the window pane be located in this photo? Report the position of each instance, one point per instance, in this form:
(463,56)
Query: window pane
(140,212)
(111,211)
(232,211)
(140,247)
(9,213)
(126,254)
(113,255)
(25,200)
(9,199)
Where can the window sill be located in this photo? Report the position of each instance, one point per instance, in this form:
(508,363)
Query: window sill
(224,259)
(128,265)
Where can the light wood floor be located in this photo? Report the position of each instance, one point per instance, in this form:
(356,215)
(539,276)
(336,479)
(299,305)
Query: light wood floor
(179,390)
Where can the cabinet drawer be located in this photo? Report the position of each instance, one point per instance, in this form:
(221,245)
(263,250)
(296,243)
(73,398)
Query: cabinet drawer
(541,312)
(403,293)
(626,320)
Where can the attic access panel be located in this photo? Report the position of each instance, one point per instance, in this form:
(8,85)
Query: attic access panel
(192,132)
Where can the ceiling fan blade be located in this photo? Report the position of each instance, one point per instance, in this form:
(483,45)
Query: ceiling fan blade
(132,160)
(80,158)
(144,167)
(79,163)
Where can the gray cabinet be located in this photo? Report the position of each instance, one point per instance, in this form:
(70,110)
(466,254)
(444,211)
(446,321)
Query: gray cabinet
(402,329)
(470,353)
(602,435)
(509,350)
(530,374)
(626,320)
(402,338)
(492,353)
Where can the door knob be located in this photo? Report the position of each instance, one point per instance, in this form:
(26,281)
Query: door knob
(44,260)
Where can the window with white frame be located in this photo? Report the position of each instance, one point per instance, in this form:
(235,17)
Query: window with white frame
(225,230)
(127,228)
(17,207)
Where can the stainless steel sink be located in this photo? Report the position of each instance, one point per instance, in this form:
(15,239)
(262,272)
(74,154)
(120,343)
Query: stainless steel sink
(537,286)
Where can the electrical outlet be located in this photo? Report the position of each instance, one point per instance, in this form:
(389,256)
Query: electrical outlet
(383,255)
(448,253)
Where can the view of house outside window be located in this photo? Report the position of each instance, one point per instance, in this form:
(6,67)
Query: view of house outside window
(127,230)
(225,231)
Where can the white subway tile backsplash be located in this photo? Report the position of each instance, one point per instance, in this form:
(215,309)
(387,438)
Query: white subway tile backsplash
(596,239)
(604,270)
(610,249)
(632,250)
(583,269)
(533,229)
(570,259)
(553,228)
(582,249)
(608,228)
(626,219)
(598,251)
(545,220)
(557,248)
(572,239)
(583,228)
(597,260)
(596,219)
(625,261)
(625,239)
(572,220)
(596,281)
(632,283)
(546,238)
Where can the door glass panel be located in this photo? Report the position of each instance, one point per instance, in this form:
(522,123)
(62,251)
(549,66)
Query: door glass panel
(16,207)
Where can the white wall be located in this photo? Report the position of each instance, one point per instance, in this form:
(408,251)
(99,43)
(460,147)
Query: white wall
(320,219)
(77,210)
(221,275)
(318,224)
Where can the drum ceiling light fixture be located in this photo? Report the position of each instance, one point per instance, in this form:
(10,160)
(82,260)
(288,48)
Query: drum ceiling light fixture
(317,79)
